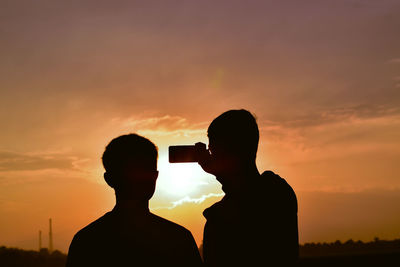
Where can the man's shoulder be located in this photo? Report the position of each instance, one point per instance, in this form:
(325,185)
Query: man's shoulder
(95,227)
(169,225)
(278,188)
(274,181)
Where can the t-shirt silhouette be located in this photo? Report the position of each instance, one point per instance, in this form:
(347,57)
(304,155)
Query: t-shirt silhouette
(257,227)
(118,239)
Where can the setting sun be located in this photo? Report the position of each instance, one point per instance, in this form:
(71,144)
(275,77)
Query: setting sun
(179,179)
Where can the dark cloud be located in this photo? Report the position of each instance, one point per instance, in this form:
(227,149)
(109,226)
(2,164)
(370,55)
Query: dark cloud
(324,116)
(10,161)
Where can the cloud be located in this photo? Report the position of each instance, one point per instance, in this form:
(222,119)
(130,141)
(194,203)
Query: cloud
(199,200)
(363,125)
(12,161)
(166,122)
(394,60)
(349,114)
(166,125)
(188,199)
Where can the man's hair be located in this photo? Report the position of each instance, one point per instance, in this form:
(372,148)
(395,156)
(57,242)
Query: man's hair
(129,149)
(236,130)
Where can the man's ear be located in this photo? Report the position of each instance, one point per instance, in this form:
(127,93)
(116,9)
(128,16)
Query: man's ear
(107,178)
(156,174)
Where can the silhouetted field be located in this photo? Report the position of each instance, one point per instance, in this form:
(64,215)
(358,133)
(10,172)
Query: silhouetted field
(349,253)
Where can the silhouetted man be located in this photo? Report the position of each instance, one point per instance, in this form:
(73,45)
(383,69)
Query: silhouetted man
(255,224)
(130,235)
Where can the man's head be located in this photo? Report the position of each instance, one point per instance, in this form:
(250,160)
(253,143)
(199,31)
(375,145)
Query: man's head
(130,162)
(233,139)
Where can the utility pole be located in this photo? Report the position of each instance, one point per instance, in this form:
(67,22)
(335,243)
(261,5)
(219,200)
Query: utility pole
(40,240)
(50,237)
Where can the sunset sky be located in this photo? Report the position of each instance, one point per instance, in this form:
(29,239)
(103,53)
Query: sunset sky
(322,78)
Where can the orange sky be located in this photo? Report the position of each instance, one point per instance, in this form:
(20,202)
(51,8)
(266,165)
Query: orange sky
(322,79)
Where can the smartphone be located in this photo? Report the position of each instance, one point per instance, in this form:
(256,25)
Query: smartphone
(185,153)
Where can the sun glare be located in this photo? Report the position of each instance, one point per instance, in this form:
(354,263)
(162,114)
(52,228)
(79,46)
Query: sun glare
(179,179)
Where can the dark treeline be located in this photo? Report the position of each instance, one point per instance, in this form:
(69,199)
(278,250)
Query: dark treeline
(350,253)
(13,257)
(350,247)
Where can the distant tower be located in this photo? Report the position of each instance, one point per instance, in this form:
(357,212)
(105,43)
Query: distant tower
(50,237)
(40,240)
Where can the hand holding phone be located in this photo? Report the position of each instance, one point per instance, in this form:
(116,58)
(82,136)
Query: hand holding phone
(192,153)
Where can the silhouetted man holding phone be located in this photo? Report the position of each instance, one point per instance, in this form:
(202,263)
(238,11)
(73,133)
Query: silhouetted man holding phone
(130,235)
(255,224)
